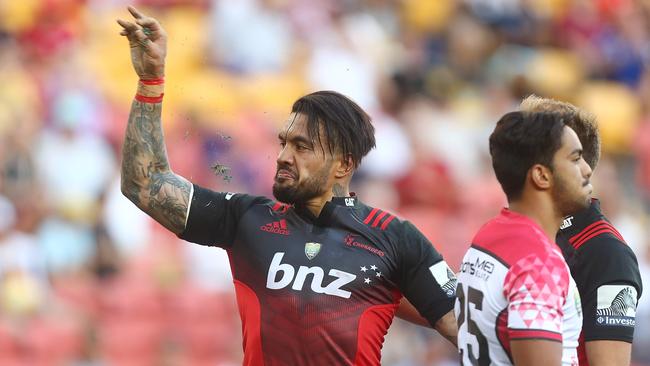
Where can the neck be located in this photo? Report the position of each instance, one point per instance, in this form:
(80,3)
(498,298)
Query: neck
(541,211)
(315,205)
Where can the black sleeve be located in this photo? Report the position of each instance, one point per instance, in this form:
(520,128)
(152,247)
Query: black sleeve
(607,275)
(214,216)
(424,277)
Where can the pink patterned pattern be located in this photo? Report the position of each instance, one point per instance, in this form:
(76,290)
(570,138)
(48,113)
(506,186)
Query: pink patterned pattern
(536,288)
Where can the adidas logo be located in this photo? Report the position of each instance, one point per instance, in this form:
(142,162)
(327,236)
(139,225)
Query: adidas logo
(276,227)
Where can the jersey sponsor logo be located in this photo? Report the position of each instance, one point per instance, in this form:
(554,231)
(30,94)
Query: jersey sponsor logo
(351,241)
(229,195)
(312,250)
(276,227)
(445,277)
(349,201)
(481,269)
(281,275)
(616,305)
(568,221)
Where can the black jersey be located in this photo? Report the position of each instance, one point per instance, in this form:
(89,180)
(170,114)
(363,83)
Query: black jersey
(606,272)
(319,290)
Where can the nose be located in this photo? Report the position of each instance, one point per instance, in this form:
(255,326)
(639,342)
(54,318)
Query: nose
(586,170)
(285,156)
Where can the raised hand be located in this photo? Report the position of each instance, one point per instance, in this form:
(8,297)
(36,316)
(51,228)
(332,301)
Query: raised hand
(148,43)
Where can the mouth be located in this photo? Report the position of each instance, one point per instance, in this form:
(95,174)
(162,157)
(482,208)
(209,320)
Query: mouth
(284,174)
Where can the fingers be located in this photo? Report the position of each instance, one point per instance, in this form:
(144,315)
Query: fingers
(136,14)
(134,33)
(149,23)
(129,27)
(150,26)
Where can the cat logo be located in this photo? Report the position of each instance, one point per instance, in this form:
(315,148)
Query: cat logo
(312,250)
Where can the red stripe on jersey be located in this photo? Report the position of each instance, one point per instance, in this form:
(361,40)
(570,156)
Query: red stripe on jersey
(277,206)
(586,232)
(250,312)
(605,230)
(515,334)
(381,216)
(373,325)
(370,215)
(582,351)
(386,222)
(501,326)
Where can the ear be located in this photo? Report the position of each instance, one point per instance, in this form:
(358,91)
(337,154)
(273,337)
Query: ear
(345,167)
(541,177)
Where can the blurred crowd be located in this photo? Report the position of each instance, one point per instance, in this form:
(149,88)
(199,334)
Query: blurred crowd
(87,279)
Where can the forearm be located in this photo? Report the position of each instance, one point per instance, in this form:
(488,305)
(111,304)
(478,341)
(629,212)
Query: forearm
(608,353)
(448,328)
(147,179)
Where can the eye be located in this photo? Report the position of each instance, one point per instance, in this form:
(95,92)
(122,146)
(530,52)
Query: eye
(283,144)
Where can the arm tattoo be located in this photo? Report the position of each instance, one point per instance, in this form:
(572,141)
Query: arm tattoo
(147,179)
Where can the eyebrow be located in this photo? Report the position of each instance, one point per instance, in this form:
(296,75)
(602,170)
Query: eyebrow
(295,139)
(576,151)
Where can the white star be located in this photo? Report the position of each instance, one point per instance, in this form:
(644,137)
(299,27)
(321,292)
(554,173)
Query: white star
(363,269)
(373,267)
(378,274)
(367,280)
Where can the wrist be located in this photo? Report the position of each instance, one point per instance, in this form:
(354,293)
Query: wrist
(150,90)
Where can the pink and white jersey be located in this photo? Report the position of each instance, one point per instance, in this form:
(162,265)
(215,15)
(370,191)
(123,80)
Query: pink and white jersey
(514,284)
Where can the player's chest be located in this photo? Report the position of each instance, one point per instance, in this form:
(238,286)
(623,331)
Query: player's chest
(336,261)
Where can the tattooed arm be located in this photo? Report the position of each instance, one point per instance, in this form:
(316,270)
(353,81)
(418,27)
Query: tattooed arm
(147,179)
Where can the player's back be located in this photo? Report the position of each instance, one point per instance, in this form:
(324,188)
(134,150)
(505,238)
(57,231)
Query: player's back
(514,284)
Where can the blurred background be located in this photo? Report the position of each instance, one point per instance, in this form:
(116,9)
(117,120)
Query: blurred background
(86,279)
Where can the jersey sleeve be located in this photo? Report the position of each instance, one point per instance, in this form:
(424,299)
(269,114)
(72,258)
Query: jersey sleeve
(536,287)
(214,216)
(424,278)
(607,275)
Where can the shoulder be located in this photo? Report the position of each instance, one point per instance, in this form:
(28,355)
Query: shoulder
(378,219)
(512,241)
(539,270)
(206,199)
(606,259)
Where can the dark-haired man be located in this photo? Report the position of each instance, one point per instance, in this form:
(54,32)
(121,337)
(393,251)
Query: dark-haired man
(517,303)
(603,265)
(319,276)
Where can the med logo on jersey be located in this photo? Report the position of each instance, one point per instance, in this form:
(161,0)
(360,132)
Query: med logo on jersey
(616,305)
(445,277)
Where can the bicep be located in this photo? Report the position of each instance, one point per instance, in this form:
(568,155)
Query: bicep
(533,352)
(608,353)
(166,199)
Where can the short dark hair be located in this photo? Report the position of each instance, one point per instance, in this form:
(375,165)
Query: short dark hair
(347,127)
(521,140)
(581,121)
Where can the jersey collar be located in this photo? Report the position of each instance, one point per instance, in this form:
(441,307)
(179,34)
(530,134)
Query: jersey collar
(328,210)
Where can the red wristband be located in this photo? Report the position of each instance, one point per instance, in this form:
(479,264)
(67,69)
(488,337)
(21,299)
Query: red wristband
(143,99)
(157,81)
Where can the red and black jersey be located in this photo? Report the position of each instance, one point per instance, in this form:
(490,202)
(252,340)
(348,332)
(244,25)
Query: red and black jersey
(606,272)
(319,290)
